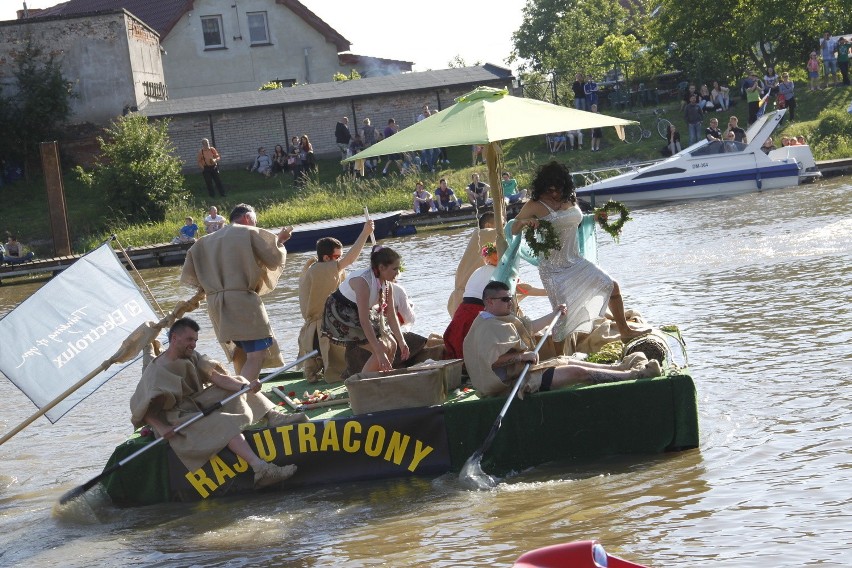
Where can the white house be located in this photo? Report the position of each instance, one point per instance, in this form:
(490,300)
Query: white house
(215,47)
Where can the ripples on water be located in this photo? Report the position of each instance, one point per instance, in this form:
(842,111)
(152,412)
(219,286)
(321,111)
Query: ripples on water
(760,286)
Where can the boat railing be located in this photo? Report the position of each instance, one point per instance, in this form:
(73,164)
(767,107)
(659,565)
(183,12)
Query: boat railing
(585,177)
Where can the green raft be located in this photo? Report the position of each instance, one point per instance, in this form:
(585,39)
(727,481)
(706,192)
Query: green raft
(644,416)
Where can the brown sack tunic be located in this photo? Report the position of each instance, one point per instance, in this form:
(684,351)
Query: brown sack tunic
(182,385)
(316,283)
(235,266)
(490,337)
(471,260)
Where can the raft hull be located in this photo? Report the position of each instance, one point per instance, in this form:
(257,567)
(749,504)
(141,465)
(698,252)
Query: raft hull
(646,416)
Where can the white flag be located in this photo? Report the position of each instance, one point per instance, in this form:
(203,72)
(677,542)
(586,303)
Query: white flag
(69,328)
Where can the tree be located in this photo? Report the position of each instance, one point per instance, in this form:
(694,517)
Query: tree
(137,170)
(561,36)
(457,62)
(40,107)
(776,33)
(353,74)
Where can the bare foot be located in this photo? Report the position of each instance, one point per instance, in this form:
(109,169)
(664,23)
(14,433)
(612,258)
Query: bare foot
(651,370)
(636,360)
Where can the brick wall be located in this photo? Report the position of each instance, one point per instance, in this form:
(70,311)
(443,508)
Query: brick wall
(237,134)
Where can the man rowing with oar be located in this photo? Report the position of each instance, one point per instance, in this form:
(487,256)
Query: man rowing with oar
(235,266)
(180,382)
(499,344)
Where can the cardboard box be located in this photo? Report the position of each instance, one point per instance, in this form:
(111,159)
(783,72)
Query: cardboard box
(401,388)
(451,371)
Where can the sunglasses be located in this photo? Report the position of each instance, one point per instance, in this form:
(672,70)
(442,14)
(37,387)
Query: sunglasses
(506,299)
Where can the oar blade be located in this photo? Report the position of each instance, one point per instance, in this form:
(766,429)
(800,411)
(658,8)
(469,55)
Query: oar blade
(471,474)
(78,491)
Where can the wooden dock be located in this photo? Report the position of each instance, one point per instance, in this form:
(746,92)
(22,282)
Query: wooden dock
(148,256)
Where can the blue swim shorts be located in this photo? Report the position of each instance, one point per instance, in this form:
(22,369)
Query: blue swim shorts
(252,345)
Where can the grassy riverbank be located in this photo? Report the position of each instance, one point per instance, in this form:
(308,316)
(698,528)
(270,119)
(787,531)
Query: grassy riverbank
(279,202)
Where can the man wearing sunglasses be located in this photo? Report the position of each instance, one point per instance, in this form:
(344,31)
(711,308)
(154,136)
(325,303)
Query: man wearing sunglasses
(499,345)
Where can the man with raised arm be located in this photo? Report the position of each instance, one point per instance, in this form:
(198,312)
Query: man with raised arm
(319,279)
(235,266)
(181,382)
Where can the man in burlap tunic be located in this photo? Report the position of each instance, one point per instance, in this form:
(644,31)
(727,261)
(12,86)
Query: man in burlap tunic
(319,279)
(181,382)
(235,266)
(499,345)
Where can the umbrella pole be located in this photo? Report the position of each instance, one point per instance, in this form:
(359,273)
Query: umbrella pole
(494,156)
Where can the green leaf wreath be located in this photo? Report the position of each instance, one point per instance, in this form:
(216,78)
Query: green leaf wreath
(603,215)
(543,239)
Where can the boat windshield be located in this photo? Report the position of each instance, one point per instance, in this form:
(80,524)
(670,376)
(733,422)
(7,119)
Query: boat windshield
(726,147)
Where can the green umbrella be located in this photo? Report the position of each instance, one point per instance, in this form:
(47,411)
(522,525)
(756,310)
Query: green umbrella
(486,116)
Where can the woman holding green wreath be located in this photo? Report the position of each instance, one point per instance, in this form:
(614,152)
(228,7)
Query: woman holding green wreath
(569,278)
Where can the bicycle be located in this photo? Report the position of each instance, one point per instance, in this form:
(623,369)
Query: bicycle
(635,132)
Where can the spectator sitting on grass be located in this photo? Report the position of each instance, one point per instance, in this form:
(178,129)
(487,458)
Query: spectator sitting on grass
(213,222)
(187,232)
(263,163)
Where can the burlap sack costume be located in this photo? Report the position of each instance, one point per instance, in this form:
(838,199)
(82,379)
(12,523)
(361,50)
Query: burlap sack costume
(470,261)
(185,387)
(316,283)
(235,266)
(490,337)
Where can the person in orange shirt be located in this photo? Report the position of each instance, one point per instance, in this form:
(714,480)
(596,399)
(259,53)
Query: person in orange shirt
(208,161)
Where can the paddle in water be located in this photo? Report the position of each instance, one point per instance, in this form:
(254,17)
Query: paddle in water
(78,491)
(471,472)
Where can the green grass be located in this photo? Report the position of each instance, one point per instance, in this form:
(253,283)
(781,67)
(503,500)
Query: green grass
(25,213)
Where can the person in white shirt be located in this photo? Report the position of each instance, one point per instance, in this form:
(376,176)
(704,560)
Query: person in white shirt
(213,222)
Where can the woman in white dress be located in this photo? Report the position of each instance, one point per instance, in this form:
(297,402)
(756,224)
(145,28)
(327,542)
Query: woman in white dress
(569,278)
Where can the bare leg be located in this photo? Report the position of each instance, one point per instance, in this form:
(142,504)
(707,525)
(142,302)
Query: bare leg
(372,364)
(239,446)
(239,360)
(253,364)
(573,374)
(616,306)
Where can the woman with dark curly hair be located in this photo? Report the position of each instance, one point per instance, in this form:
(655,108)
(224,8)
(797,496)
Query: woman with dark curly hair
(569,278)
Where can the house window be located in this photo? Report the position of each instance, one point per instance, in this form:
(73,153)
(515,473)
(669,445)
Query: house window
(211,27)
(258,28)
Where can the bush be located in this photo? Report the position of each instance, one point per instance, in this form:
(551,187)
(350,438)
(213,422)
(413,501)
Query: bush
(137,171)
(830,139)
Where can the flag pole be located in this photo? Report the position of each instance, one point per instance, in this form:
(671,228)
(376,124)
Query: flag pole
(136,272)
(119,356)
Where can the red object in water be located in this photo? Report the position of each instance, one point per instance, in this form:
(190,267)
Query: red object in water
(581,554)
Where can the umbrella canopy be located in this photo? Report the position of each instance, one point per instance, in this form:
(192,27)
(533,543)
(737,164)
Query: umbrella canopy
(485,116)
(488,115)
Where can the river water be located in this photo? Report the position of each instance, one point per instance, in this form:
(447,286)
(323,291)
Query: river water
(760,286)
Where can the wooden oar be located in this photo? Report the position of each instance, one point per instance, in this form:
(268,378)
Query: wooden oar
(472,468)
(77,491)
(372,235)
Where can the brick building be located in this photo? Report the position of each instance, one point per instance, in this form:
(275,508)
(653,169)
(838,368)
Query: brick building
(112,58)
(238,123)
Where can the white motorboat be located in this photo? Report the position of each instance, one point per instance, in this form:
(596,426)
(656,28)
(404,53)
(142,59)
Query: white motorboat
(711,169)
